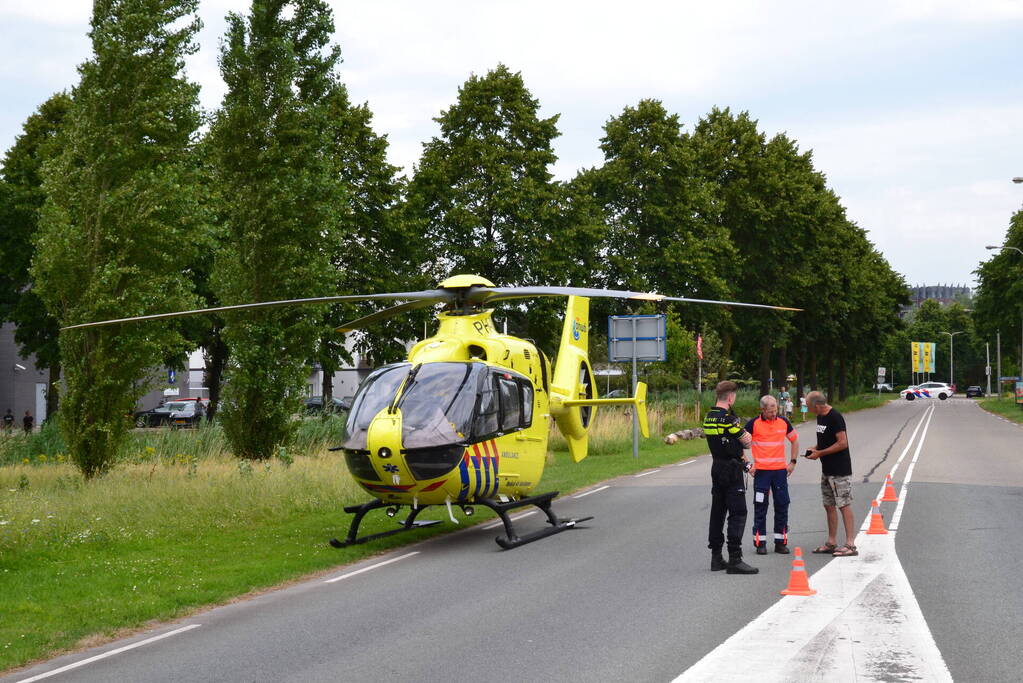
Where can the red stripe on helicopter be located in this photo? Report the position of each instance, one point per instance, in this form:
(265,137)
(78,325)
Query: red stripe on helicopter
(434,486)
(477,462)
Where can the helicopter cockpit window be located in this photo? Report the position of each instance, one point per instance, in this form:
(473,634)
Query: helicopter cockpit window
(511,404)
(375,394)
(437,406)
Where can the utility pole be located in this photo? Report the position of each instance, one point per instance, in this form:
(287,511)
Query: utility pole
(987,366)
(998,352)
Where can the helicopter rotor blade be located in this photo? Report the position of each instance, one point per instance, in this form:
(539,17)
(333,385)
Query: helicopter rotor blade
(426,297)
(384,314)
(488,294)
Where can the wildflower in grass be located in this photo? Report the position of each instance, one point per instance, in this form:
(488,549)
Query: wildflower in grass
(4,522)
(36,521)
(150,450)
(24,461)
(42,457)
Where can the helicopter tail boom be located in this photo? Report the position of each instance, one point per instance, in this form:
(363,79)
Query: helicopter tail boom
(638,401)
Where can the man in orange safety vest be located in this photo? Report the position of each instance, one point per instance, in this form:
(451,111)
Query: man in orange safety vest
(769,433)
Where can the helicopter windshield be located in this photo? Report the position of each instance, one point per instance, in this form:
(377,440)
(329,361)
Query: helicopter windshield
(437,403)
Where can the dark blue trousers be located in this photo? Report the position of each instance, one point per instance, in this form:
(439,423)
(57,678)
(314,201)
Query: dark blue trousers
(765,484)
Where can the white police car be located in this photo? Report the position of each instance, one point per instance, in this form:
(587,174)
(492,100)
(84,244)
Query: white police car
(938,390)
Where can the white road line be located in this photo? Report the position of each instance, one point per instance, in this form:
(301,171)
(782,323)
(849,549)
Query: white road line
(583,495)
(372,566)
(118,651)
(643,474)
(687,462)
(494,525)
(909,476)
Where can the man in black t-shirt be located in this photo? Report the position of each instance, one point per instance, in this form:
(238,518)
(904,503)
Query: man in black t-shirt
(9,421)
(836,473)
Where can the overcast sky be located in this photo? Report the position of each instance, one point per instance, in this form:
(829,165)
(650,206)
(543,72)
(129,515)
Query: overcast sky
(913,109)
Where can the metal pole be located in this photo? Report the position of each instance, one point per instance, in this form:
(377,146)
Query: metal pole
(635,383)
(951,352)
(987,366)
(998,352)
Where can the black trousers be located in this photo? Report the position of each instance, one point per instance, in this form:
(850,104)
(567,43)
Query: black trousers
(727,498)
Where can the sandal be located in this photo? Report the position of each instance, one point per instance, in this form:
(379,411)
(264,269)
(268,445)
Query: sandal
(846,550)
(826,549)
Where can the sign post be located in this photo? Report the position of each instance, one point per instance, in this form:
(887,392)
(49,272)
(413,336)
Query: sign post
(637,338)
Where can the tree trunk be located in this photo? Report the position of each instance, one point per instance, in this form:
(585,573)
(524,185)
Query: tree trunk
(53,391)
(765,368)
(830,360)
(801,370)
(726,351)
(783,367)
(813,368)
(842,377)
(215,358)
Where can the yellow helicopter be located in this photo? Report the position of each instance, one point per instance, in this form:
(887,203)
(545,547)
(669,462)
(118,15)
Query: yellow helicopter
(465,419)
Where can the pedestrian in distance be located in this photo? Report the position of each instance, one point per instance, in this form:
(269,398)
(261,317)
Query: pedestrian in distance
(726,439)
(802,407)
(836,474)
(28,422)
(769,432)
(8,421)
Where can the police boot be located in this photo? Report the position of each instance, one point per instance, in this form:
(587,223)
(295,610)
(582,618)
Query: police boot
(781,548)
(737,566)
(761,547)
(717,562)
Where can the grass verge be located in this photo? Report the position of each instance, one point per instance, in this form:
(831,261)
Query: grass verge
(1006,407)
(179,525)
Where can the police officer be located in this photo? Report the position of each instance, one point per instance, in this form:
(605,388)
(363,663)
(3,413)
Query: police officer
(726,439)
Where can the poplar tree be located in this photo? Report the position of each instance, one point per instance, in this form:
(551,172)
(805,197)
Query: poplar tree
(21,176)
(269,151)
(115,230)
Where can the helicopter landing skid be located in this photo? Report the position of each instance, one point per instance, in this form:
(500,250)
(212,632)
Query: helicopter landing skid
(543,501)
(360,511)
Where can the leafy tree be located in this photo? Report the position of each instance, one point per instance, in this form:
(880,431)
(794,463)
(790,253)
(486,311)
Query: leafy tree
(485,202)
(120,210)
(998,302)
(269,151)
(36,332)
(373,249)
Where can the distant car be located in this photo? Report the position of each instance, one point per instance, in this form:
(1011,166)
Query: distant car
(154,417)
(617,393)
(314,405)
(883,387)
(185,412)
(938,390)
(974,392)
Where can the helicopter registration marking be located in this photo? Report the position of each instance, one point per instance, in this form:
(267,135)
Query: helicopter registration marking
(372,566)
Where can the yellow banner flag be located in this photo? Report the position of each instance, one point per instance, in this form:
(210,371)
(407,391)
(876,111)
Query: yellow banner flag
(915,351)
(927,367)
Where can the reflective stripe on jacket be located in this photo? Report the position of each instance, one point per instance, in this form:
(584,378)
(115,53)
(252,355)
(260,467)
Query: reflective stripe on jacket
(769,437)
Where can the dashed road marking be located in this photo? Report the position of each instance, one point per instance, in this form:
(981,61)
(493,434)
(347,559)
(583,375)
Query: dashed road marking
(643,474)
(118,651)
(583,495)
(372,566)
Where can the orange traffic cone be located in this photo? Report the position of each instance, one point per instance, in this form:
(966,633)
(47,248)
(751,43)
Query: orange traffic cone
(876,521)
(889,491)
(798,583)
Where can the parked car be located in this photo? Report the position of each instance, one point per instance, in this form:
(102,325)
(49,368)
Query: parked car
(938,390)
(974,391)
(154,417)
(314,405)
(884,386)
(617,393)
(187,413)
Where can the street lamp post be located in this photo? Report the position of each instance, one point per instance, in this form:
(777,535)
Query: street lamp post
(951,347)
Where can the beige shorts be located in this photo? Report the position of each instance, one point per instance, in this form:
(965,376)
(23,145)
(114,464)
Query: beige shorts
(836,491)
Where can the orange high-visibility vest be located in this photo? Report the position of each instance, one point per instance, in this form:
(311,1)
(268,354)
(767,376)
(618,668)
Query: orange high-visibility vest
(769,437)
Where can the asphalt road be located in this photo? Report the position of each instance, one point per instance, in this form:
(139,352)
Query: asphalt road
(629,594)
